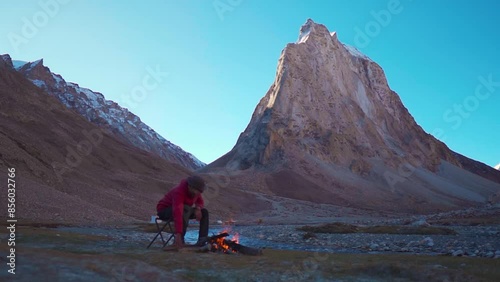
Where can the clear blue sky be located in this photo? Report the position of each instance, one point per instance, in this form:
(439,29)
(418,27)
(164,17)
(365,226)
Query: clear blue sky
(221,58)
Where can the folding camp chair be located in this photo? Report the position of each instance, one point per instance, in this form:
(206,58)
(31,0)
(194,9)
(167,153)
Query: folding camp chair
(159,231)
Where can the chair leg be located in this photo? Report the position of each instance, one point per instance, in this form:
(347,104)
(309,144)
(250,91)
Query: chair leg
(159,233)
(169,238)
(171,235)
(150,243)
(160,230)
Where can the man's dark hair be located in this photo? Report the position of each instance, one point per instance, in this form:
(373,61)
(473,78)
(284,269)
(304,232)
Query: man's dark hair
(196,182)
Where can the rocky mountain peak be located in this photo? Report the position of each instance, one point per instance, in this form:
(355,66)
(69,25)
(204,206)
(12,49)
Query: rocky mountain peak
(34,68)
(330,119)
(310,29)
(6,61)
(326,92)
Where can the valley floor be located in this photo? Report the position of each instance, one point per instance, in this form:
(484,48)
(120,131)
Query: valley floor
(46,252)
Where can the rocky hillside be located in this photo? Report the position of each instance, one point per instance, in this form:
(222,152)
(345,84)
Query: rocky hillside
(105,113)
(70,170)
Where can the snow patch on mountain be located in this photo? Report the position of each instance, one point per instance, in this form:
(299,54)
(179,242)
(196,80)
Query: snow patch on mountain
(304,35)
(305,30)
(95,99)
(355,52)
(58,79)
(39,83)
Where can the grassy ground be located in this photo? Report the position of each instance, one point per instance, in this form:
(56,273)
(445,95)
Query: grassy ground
(469,221)
(51,254)
(339,227)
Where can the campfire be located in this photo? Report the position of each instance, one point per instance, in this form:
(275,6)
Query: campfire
(219,244)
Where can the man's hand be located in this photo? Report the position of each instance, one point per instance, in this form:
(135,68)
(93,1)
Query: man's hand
(197,213)
(178,241)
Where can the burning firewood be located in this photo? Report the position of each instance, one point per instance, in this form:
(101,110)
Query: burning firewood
(238,248)
(217,243)
(218,236)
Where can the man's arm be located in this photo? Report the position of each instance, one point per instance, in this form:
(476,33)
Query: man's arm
(177,212)
(199,203)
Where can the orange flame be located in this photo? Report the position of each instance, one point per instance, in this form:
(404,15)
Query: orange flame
(236,238)
(221,245)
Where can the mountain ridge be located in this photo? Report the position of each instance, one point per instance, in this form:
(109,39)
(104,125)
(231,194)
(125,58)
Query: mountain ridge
(105,113)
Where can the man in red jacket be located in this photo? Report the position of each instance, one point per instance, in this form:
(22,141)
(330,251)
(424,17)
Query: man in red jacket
(178,204)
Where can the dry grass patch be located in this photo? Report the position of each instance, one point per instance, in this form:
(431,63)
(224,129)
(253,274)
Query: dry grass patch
(84,262)
(37,224)
(343,228)
(34,235)
(469,221)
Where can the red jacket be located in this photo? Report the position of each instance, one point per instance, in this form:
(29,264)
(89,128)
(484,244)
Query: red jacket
(177,198)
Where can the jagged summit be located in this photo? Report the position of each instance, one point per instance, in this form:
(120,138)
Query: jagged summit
(6,60)
(305,30)
(17,64)
(312,29)
(316,80)
(31,65)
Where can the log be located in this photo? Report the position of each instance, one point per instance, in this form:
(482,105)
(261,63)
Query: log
(243,249)
(215,237)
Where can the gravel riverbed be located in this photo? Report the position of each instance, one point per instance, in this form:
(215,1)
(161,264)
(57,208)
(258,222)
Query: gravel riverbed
(472,241)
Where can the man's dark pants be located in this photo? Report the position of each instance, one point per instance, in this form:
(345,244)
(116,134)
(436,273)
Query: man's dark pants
(188,214)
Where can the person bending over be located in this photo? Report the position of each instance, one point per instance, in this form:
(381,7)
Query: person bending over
(182,203)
